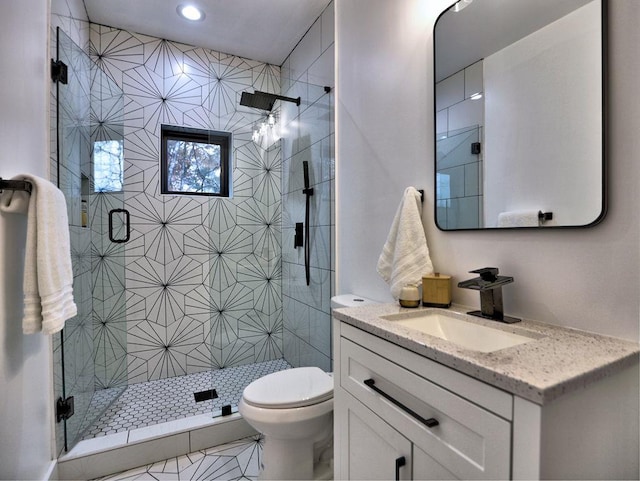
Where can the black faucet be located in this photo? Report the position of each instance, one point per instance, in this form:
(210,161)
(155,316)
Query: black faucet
(490,286)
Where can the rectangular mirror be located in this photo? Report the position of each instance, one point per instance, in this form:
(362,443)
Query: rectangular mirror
(519,110)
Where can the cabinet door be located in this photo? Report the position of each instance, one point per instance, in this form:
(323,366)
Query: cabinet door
(425,467)
(374,448)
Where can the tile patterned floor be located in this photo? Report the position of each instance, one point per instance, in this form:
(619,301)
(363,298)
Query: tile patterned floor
(155,402)
(237,460)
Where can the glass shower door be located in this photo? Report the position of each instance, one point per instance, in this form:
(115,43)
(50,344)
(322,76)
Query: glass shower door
(265,316)
(243,279)
(90,357)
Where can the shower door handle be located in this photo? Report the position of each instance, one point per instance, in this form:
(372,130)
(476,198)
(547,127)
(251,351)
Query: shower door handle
(127,223)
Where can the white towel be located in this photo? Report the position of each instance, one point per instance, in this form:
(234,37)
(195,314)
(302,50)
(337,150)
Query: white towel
(48,275)
(519,218)
(405,255)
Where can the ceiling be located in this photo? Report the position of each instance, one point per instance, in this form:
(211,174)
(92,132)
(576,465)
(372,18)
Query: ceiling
(263,30)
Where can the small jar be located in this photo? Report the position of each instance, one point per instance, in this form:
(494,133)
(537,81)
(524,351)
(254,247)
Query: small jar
(409,296)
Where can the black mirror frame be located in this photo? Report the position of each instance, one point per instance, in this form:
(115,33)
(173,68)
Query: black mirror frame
(605,135)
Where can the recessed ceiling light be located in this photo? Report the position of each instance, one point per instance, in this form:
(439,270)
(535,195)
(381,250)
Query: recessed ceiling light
(190,12)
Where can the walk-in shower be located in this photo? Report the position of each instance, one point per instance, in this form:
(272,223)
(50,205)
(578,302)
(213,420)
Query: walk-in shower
(184,300)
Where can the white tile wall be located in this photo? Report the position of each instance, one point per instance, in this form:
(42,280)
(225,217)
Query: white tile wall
(306,308)
(457,112)
(473,79)
(450,91)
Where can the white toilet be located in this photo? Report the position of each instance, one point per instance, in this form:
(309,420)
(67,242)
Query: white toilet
(293,409)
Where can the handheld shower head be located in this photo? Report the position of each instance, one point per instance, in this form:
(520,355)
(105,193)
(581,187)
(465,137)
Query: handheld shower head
(305,170)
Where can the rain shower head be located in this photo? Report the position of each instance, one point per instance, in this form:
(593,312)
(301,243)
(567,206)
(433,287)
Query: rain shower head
(257,100)
(263,100)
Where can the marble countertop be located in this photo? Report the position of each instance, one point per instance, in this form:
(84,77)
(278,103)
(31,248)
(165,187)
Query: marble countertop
(557,361)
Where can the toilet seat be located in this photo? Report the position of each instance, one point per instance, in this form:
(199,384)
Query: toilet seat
(291,388)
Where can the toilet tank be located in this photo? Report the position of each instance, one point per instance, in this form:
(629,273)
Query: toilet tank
(350,300)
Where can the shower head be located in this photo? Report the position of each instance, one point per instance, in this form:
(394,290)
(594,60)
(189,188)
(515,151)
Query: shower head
(257,100)
(263,100)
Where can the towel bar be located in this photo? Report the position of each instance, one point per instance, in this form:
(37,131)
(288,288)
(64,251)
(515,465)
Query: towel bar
(15,185)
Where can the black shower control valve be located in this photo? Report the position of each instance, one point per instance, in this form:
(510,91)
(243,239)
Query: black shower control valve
(298,239)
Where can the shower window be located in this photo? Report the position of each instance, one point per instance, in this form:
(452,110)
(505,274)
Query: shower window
(195,161)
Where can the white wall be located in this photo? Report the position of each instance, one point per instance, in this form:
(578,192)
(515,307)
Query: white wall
(382,122)
(585,278)
(25,361)
(559,162)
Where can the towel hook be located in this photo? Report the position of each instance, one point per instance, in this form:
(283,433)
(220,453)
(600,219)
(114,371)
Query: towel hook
(544,216)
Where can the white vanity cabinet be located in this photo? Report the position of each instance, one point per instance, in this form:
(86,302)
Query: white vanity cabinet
(399,415)
(388,408)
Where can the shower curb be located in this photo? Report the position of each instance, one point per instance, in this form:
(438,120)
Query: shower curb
(118,452)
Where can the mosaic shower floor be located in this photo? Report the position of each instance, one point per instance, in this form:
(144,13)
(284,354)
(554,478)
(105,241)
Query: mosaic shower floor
(154,402)
(236,460)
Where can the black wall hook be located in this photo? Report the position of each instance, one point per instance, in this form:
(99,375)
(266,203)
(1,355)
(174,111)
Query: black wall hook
(543,216)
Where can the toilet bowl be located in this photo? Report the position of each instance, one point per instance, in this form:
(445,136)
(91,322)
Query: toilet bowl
(293,409)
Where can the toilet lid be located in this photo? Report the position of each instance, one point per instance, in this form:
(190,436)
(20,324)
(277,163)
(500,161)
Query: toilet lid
(301,386)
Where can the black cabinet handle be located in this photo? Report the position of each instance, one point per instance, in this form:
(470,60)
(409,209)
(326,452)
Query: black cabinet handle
(401,461)
(430,423)
(127,223)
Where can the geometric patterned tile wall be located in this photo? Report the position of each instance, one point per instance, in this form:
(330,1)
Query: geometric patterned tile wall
(201,276)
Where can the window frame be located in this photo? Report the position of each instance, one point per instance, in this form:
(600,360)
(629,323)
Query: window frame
(190,134)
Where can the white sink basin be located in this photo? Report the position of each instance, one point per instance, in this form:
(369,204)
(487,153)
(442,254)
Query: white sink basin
(468,335)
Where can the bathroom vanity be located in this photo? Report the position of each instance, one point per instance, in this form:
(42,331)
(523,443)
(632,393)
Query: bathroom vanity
(410,403)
